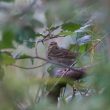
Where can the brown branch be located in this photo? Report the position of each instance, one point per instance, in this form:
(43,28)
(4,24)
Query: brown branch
(28,67)
(46,38)
(77,69)
(50,61)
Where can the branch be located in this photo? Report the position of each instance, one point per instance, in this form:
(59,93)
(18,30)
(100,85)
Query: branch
(50,61)
(28,67)
(46,39)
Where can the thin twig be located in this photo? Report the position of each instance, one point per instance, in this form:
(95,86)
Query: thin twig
(77,69)
(46,39)
(37,97)
(28,67)
(41,87)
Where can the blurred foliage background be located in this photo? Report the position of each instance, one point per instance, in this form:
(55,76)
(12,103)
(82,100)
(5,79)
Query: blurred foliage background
(81,25)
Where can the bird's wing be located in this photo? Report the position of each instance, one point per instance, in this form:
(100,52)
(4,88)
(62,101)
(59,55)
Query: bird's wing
(67,54)
(61,53)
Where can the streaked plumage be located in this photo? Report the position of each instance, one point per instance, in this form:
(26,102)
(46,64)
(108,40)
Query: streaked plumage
(60,54)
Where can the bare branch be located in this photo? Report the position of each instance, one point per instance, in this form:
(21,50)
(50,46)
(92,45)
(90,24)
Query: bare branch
(46,39)
(28,67)
(53,62)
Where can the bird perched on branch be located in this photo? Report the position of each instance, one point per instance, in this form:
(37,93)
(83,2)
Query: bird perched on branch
(61,55)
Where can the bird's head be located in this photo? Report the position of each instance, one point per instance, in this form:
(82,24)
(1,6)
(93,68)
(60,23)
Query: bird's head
(53,44)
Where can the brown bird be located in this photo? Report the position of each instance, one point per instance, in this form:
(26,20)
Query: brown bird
(61,55)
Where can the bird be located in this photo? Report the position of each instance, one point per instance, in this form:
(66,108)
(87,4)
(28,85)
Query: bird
(60,55)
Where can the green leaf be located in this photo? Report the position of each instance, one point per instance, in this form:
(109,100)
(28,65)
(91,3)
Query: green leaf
(70,26)
(26,34)
(7,39)
(38,35)
(73,47)
(24,56)
(84,48)
(50,70)
(66,33)
(1,73)
(6,59)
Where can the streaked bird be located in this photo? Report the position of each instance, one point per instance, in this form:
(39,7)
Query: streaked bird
(61,55)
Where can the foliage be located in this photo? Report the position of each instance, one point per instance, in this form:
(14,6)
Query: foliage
(75,26)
